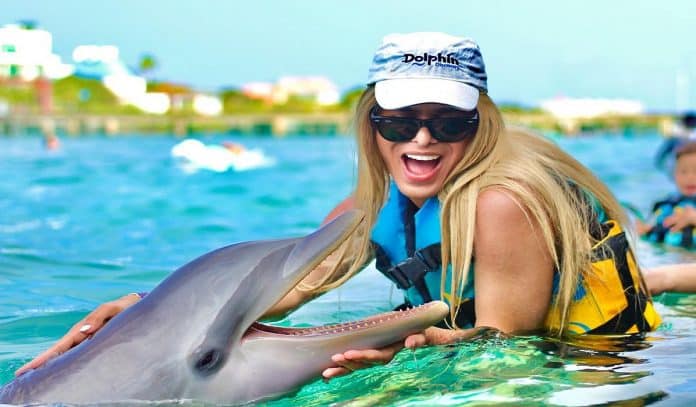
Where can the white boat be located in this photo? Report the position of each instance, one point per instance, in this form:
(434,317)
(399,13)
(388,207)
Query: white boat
(194,155)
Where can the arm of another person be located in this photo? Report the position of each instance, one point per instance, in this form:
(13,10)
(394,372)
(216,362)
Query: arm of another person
(514,274)
(96,319)
(672,277)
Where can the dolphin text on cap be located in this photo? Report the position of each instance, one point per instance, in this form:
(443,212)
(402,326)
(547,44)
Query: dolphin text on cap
(439,58)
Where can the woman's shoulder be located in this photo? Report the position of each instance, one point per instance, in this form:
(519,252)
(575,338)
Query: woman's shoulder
(499,204)
(344,206)
(501,219)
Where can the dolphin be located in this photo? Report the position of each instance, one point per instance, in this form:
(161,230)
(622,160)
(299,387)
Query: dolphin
(196,335)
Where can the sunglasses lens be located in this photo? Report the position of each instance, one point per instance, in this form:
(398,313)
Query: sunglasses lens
(453,129)
(397,130)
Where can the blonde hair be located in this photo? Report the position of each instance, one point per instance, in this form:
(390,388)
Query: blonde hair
(533,170)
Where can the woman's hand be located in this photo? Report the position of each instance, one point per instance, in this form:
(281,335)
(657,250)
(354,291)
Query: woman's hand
(82,330)
(352,360)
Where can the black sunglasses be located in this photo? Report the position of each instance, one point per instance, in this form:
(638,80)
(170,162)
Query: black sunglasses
(445,129)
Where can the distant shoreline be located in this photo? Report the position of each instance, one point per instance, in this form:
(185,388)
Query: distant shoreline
(281,124)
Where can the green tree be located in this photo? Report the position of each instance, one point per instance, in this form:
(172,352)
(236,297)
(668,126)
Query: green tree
(351,97)
(148,63)
(81,95)
(235,101)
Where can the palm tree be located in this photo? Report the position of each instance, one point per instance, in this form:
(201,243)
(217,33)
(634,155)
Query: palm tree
(147,65)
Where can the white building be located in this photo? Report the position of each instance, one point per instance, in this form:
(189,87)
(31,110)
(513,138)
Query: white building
(27,53)
(258,90)
(102,62)
(316,88)
(207,105)
(584,108)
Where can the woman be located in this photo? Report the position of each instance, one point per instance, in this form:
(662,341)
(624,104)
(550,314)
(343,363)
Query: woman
(442,181)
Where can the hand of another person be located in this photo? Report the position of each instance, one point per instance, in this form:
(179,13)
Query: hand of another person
(352,360)
(642,227)
(680,219)
(82,330)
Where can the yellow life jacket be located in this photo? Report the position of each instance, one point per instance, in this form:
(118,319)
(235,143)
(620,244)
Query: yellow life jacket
(611,297)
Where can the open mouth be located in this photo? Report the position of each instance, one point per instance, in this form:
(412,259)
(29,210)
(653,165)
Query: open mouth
(380,329)
(435,310)
(421,166)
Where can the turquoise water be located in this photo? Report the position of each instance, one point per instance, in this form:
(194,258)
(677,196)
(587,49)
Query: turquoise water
(107,216)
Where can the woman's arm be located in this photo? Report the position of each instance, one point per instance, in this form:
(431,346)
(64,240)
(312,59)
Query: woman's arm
(82,330)
(296,297)
(514,269)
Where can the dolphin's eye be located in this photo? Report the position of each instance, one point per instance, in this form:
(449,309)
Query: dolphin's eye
(209,361)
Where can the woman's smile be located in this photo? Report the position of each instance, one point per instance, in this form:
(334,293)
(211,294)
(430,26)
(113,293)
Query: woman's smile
(420,167)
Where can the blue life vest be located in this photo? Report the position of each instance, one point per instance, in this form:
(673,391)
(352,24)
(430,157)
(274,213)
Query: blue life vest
(663,209)
(406,240)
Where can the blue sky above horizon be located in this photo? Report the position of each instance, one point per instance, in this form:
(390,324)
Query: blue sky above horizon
(534,50)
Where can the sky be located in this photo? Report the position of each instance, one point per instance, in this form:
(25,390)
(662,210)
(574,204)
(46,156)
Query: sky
(533,50)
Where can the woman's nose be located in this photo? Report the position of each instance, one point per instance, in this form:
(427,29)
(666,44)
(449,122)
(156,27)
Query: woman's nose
(423,137)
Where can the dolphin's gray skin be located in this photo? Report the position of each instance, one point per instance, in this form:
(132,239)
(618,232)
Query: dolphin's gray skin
(194,337)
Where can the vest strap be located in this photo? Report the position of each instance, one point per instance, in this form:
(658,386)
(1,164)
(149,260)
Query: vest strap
(411,272)
(636,300)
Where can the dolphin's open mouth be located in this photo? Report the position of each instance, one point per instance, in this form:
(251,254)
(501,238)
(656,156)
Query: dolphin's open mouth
(427,311)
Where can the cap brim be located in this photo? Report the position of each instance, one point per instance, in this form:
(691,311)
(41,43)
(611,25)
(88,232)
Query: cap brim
(398,93)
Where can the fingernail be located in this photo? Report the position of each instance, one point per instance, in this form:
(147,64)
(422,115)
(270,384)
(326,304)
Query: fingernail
(85,328)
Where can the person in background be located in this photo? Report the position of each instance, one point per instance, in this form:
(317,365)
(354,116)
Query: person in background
(681,133)
(512,232)
(51,141)
(673,218)
(233,148)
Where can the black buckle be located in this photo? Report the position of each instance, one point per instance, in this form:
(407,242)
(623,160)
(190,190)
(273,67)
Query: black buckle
(406,273)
